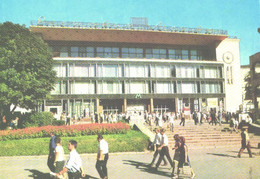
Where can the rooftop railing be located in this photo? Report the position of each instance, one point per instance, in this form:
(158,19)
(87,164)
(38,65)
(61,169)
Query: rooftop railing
(107,25)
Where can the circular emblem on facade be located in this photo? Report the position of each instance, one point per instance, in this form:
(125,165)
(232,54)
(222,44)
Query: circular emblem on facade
(228,57)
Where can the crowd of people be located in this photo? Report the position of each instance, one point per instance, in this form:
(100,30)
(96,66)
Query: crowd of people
(73,166)
(235,120)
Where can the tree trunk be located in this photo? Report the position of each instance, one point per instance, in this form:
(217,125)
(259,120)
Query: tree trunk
(7,113)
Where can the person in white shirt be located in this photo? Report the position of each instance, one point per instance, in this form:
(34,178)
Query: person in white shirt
(171,121)
(102,157)
(59,155)
(74,163)
(157,142)
(164,150)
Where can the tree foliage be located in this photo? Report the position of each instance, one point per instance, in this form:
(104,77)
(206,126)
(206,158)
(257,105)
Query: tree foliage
(248,87)
(26,68)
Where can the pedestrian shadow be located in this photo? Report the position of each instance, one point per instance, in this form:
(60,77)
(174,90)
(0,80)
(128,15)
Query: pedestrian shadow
(146,168)
(36,174)
(222,155)
(89,177)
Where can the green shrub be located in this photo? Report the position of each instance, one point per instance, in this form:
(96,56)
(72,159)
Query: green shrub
(58,122)
(39,119)
(132,141)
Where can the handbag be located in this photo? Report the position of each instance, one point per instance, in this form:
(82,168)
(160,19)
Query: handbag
(186,169)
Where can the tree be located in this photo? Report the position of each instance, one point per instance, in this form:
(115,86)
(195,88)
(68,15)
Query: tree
(248,87)
(26,68)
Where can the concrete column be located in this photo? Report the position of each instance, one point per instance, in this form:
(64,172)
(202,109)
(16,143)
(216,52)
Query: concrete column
(125,105)
(151,105)
(97,105)
(68,106)
(176,105)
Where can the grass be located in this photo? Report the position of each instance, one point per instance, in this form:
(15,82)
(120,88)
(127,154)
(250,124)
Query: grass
(131,141)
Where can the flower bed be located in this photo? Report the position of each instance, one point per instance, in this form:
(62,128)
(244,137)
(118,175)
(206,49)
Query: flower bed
(64,131)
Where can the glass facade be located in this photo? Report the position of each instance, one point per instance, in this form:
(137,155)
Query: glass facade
(178,53)
(152,76)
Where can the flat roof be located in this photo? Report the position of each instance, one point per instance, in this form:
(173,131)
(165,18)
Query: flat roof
(125,36)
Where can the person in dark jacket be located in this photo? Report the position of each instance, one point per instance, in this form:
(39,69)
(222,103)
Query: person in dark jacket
(51,156)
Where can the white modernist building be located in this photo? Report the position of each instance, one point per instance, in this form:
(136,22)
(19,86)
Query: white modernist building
(104,67)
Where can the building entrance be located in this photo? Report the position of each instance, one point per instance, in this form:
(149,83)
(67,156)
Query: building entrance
(164,105)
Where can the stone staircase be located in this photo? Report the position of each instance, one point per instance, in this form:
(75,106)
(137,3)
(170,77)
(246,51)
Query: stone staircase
(203,136)
(208,136)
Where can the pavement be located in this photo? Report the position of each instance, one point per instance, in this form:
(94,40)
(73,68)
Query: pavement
(206,163)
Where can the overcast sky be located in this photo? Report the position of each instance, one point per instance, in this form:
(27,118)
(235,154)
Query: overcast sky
(240,18)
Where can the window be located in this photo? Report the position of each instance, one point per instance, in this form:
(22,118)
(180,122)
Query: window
(137,71)
(107,52)
(83,88)
(171,53)
(56,89)
(60,88)
(196,54)
(61,70)
(137,88)
(79,70)
(82,51)
(161,71)
(210,87)
(187,87)
(110,71)
(185,54)
(132,53)
(109,87)
(186,72)
(210,72)
(74,51)
(64,52)
(155,53)
(193,55)
(163,87)
(178,54)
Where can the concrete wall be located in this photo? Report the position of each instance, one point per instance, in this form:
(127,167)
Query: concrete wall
(231,72)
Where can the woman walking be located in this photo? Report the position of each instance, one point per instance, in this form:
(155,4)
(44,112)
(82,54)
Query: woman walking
(176,156)
(184,157)
(59,161)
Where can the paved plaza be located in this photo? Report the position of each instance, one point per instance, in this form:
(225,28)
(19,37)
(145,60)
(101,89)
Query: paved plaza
(210,163)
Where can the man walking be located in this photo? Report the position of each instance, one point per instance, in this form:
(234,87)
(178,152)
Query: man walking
(245,142)
(102,157)
(182,118)
(74,163)
(164,150)
(51,156)
(157,143)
